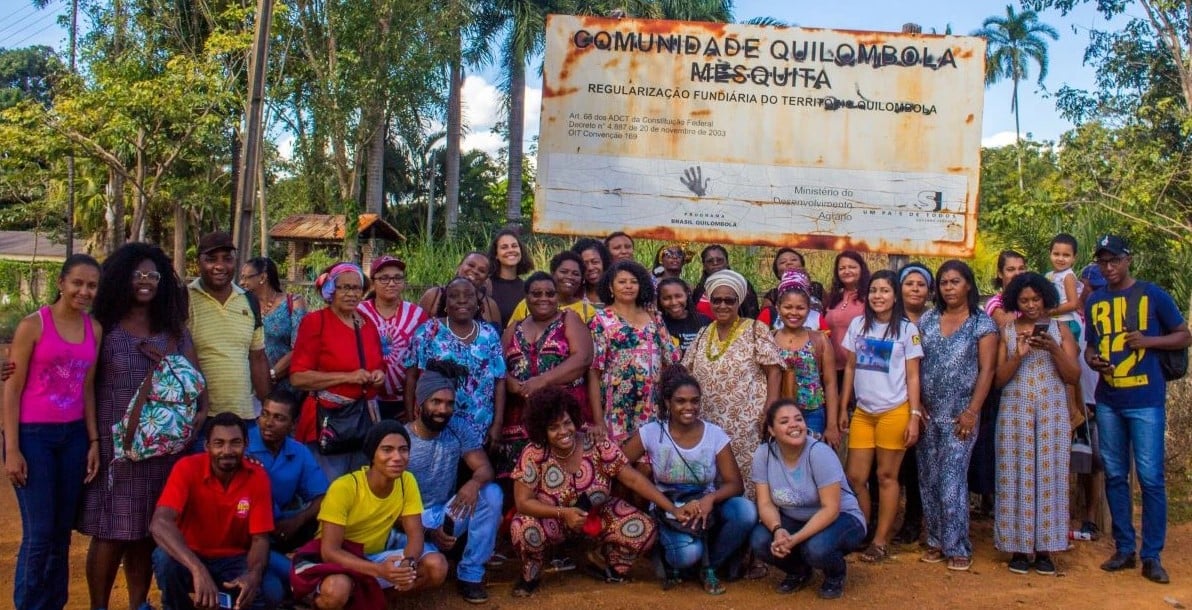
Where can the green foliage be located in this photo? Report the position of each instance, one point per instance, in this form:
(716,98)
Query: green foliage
(28,74)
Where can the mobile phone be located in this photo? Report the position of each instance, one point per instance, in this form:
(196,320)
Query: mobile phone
(224,600)
(1041,329)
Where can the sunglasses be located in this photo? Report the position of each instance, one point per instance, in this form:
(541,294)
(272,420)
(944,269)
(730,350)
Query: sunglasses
(539,294)
(723,300)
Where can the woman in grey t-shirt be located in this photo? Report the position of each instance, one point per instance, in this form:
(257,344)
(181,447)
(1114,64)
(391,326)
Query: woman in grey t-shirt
(809,516)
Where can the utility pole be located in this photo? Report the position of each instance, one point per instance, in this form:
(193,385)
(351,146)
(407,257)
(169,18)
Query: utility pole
(246,188)
(70,158)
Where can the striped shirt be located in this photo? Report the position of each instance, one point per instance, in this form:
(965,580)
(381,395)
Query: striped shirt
(397,332)
(224,334)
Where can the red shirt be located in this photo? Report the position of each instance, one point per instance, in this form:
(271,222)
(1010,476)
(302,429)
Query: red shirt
(328,345)
(217,521)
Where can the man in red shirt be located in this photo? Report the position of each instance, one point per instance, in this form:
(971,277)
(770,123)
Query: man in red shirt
(212,524)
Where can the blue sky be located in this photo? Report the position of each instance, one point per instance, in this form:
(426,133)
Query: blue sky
(21,25)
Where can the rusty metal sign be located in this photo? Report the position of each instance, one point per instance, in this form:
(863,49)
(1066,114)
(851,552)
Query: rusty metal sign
(759,135)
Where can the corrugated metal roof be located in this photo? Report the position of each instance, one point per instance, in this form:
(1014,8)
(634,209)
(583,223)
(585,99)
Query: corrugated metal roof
(330,228)
(28,245)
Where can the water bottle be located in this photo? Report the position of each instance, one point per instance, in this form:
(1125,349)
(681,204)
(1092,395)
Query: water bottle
(1079,535)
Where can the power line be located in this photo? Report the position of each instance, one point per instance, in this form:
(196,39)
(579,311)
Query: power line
(49,25)
(28,9)
(14,27)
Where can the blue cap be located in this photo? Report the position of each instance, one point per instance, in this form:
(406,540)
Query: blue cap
(1092,273)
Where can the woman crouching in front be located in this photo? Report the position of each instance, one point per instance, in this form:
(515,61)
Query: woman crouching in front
(809,516)
(693,464)
(562,486)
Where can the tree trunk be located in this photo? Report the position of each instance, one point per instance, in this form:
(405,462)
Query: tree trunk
(517,117)
(1018,137)
(454,137)
(374,172)
(115,210)
(180,240)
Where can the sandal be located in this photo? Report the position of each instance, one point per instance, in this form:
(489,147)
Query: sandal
(711,582)
(602,570)
(876,553)
(960,564)
(932,555)
(525,588)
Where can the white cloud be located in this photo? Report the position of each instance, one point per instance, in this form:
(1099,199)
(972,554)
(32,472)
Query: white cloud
(998,140)
(482,110)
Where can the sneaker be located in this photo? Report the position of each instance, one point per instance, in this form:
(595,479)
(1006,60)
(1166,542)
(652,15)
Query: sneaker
(1091,529)
(473,592)
(1019,564)
(711,582)
(793,582)
(1119,561)
(1044,565)
(1153,571)
(832,587)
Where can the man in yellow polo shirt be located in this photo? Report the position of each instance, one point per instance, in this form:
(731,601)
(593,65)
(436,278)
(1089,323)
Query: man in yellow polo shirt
(227,332)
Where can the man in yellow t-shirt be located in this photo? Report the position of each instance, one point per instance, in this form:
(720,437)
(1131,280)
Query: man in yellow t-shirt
(364,507)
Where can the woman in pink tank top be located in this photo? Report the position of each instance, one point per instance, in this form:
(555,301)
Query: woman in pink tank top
(51,439)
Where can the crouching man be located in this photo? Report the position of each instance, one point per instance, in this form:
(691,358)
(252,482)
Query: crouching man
(437,443)
(212,524)
(358,555)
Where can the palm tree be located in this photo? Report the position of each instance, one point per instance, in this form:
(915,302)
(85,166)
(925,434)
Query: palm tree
(1013,42)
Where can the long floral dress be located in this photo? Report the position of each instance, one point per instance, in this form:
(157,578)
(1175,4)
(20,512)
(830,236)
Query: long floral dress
(630,361)
(526,359)
(733,383)
(1033,444)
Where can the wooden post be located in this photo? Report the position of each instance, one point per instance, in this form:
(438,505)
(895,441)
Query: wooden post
(246,189)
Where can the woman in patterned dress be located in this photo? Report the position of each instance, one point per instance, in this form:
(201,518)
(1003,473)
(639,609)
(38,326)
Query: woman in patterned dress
(737,365)
(959,352)
(551,347)
(140,300)
(395,319)
(280,315)
(1036,358)
(630,347)
(562,488)
(459,337)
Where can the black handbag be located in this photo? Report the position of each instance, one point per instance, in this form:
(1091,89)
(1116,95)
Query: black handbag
(342,428)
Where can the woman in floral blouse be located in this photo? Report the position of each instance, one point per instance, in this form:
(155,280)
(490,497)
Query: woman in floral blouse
(630,349)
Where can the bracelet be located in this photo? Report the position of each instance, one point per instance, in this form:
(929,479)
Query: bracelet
(916,413)
(775,529)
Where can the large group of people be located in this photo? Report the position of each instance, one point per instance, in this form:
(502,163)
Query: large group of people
(249,450)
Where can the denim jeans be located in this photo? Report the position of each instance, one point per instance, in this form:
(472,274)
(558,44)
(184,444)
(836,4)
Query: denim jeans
(735,518)
(825,550)
(816,420)
(275,581)
(481,529)
(1136,433)
(56,461)
(335,466)
(176,583)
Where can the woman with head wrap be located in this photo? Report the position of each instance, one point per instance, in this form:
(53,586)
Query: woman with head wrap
(808,360)
(714,259)
(337,359)
(737,365)
(916,284)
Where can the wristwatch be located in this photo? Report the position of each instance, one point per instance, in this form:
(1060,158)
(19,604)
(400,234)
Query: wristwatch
(272,375)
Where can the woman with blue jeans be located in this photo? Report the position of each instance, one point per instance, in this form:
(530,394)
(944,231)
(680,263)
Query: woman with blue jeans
(49,417)
(688,458)
(809,516)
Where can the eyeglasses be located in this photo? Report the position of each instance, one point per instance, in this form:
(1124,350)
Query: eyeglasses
(540,294)
(1115,261)
(389,279)
(152,276)
(349,288)
(723,300)
(245,278)
(673,253)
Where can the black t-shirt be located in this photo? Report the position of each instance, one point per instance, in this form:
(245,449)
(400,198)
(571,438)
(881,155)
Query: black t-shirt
(684,331)
(507,294)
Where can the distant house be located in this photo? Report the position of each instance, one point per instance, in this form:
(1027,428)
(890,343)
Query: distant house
(304,231)
(21,282)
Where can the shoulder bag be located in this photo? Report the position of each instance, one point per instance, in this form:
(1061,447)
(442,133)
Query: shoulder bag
(342,426)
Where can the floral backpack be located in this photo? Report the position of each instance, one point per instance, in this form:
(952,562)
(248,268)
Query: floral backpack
(161,417)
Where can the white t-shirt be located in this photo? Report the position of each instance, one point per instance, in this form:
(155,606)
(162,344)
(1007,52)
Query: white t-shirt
(880,380)
(1057,279)
(670,472)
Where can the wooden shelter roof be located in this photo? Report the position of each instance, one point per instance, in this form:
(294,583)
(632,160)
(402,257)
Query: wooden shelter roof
(329,228)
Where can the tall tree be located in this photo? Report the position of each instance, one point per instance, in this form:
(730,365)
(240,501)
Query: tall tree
(1014,41)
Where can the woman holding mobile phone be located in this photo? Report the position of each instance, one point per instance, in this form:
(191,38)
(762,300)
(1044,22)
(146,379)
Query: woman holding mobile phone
(1036,358)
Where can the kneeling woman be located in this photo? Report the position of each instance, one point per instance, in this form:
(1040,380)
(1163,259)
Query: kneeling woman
(689,457)
(561,478)
(809,516)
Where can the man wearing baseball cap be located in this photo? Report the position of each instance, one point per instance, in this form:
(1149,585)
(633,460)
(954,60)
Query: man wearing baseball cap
(1128,321)
(225,323)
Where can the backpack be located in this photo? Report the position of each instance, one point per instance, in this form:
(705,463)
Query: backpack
(1173,362)
(161,417)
